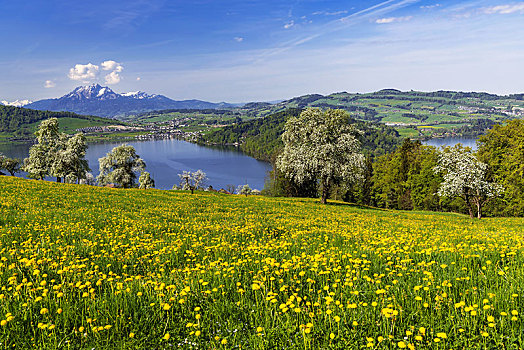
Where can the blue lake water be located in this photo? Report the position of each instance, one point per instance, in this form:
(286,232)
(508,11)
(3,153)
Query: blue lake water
(452,141)
(165,159)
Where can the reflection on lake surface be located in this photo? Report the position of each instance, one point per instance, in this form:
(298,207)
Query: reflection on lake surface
(166,159)
(452,141)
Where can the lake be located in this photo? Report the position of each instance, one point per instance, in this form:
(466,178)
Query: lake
(452,141)
(165,159)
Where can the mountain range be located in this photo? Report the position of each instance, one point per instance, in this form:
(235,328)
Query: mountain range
(104,102)
(17,103)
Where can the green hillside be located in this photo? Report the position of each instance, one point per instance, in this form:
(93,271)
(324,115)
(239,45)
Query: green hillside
(21,123)
(413,114)
(260,137)
(86,267)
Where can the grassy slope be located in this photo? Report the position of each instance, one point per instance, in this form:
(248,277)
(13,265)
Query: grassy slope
(91,267)
(68,124)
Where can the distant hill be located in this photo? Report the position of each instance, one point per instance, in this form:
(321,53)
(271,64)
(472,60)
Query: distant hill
(21,123)
(102,101)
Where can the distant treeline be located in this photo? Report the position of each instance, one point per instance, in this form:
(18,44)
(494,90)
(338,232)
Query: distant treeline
(454,95)
(260,138)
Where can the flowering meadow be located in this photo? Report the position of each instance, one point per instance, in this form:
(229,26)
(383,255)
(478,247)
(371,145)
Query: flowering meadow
(87,267)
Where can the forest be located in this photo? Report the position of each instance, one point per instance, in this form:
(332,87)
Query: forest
(260,138)
(398,174)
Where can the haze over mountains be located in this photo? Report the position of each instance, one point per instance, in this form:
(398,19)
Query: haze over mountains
(102,101)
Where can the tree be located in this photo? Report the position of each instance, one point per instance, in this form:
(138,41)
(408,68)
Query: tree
(245,190)
(502,148)
(146,181)
(43,154)
(36,165)
(405,179)
(11,165)
(465,177)
(70,162)
(88,180)
(323,146)
(56,154)
(192,181)
(230,188)
(119,167)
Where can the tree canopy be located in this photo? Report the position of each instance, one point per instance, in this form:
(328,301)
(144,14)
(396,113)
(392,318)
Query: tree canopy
(502,148)
(321,145)
(119,167)
(466,177)
(56,154)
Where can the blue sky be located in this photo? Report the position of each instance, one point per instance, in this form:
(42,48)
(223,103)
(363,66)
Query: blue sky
(251,50)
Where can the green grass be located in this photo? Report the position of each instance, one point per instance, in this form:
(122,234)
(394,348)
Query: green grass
(407,132)
(85,267)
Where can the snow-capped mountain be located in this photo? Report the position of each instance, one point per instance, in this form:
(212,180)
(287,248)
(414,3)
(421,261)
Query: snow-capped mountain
(139,95)
(102,101)
(17,103)
(94,91)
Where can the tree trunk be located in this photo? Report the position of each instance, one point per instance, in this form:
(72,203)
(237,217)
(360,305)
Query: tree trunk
(479,202)
(479,210)
(468,203)
(325,192)
(58,179)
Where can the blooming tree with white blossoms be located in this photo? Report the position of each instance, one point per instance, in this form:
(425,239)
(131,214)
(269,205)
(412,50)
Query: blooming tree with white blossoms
(465,177)
(321,145)
(191,181)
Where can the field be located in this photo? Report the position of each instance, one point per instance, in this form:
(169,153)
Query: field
(93,268)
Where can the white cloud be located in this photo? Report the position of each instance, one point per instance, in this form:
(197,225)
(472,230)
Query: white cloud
(238,39)
(113,78)
(49,84)
(393,19)
(505,9)
(289,25)
(428,7)
(112,65)
(327,13)
(83,72)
